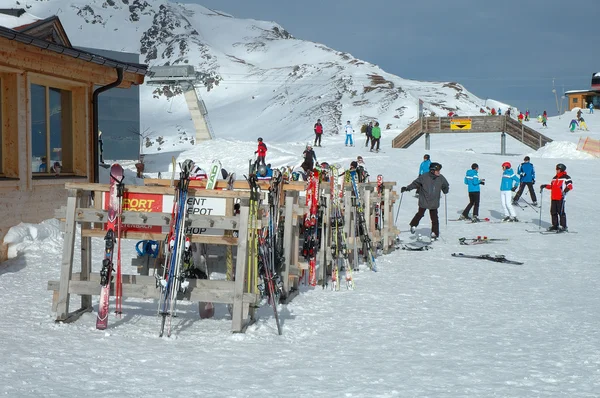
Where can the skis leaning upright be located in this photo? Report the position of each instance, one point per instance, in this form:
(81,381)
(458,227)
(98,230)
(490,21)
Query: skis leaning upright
(112,224)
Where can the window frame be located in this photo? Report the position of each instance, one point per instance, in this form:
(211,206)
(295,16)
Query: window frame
(49,83)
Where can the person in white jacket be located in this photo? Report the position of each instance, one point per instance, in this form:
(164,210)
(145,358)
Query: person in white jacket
(349,131)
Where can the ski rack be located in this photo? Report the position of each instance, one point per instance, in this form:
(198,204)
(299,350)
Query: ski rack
(85,283)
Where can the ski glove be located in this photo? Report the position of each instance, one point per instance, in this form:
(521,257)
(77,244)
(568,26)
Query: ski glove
(403,189)
(542,187)
(513,189)
(566,190)
(533,182)
(482,182)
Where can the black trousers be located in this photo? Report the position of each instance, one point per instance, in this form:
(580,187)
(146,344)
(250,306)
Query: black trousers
(522,188)
(318,139)
(473,203)
(373,142)
(557,211)
(433,214)
(369,138)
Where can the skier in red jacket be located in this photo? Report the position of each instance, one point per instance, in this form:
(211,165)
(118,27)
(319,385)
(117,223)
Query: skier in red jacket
(560,185)
(261,152)
(318,132)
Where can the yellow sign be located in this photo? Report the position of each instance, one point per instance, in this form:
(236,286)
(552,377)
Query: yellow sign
(460,124)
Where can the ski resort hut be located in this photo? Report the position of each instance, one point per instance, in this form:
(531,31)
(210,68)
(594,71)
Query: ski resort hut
(48,115)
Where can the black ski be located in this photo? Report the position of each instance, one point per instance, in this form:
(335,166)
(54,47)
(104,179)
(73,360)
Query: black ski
(546,232)
(496,258)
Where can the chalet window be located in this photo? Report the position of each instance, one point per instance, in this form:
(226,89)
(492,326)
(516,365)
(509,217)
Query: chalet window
(51,130)
(575,100)
(1,127)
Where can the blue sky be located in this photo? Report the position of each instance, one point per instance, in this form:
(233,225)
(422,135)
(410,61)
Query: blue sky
(508,50)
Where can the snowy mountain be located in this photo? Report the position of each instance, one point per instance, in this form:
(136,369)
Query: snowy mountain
(282,83)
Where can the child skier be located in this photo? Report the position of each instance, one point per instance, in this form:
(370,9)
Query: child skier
(473,182)
(560,185)
(510,182)
(573,125)
(582,124)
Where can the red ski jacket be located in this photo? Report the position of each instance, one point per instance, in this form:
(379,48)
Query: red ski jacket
(262,149)
(561,184)
(318,128)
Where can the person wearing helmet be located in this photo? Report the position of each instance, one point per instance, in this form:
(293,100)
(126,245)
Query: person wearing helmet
(473,182)
(431,185)
(349,132)
(526,173)
(318,132)
(560,185)
(424,167)
(510,183)
(309,159)
(261,152)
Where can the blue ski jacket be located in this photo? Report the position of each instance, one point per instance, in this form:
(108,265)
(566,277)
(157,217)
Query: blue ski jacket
(509,180)
(527,172)
(472,180)
(424,168)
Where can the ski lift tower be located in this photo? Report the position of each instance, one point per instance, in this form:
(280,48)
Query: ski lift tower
(184,76)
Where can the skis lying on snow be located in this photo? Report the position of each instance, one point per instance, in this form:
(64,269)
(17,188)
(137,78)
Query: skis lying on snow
(416,246)
(469,220)
(479,240)
(546,232)
(496,258)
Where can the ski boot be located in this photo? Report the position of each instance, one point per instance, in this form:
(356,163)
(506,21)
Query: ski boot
(106,269)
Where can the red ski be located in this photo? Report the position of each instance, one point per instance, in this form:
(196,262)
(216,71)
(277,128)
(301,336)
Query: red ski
(113,234)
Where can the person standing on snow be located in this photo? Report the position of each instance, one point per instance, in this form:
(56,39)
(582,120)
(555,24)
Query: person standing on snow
(544,120)
(309,159)
(424,168)
(560,185)
(527,115)
(582,124)
(473,182)
(526,172)
(261,152)
(431,185)
(520,117)
(573,125)
(349,132)
(591,107)
(368,133)
(375,136)
(510,182)
(318,132)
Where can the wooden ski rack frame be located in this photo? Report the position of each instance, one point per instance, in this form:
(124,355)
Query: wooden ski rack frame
(92,219)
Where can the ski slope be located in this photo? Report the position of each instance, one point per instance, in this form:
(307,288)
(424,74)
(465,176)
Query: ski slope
(426,325)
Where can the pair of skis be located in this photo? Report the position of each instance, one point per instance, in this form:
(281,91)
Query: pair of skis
(495,258)
(479,240)
(311,227)
(362,225)
(113,237)
(339,249)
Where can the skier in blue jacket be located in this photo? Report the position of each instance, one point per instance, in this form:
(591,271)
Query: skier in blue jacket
(424,167)
(473,182)
(526,172)
(510,182)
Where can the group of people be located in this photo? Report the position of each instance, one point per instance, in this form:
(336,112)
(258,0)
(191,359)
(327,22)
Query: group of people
(430,184)
(372,131)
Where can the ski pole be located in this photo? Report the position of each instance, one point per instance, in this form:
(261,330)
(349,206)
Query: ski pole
(398,211)
(541,199)
(446,209)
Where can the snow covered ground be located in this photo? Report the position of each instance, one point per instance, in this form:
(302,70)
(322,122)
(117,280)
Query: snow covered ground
(426,325)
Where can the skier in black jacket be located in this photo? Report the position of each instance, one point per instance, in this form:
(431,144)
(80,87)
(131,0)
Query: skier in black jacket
(430,186)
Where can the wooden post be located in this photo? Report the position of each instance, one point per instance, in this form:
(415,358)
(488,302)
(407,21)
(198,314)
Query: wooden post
(503,144)
(240,270)
(66,269)
(86,255)
(290,199)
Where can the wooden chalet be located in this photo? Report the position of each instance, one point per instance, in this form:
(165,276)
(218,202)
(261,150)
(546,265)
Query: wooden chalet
(48,115)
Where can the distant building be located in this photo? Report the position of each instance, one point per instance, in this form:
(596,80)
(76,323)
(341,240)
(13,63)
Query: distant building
(119,114)
(583,98)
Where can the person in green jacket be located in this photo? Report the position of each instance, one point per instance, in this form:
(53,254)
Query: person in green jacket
(375,136)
